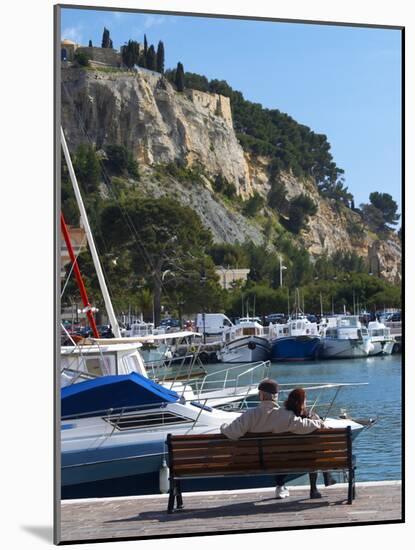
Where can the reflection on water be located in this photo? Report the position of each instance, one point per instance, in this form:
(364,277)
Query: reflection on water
(378,449)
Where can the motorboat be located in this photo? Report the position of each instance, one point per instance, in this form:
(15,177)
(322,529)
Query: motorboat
(110,357)
(344,336)
(296,340)
(245,342)
(114,430)
(381,338)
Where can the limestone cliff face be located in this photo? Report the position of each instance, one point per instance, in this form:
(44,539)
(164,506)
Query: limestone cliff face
(143,112)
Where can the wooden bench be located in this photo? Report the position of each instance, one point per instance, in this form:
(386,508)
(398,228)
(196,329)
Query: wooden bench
(214,455)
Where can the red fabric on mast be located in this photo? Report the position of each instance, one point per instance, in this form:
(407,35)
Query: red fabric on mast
(78,276)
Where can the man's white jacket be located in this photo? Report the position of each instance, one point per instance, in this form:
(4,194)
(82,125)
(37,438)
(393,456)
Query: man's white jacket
(268,417)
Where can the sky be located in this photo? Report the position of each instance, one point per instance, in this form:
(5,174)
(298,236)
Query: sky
(344,82)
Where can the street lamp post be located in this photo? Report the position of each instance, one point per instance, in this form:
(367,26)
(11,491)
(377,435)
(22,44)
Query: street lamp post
(282,267)
(203,279)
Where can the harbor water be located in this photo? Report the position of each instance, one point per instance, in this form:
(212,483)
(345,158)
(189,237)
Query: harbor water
(378,448)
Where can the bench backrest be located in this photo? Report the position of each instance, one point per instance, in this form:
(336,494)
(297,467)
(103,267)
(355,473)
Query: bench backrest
(215,454)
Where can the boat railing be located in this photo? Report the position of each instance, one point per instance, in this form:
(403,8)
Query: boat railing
(232,378)
(320,388)
(180,369)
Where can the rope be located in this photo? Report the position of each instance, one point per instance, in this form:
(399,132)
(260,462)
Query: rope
(72,267)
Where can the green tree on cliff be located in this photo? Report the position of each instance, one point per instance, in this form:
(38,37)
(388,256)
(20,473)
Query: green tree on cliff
(106,40)
(145,46)
(300,208)
(166,248)
(151,59)
(130,54)
(160,57)
(385,203)
(179,78)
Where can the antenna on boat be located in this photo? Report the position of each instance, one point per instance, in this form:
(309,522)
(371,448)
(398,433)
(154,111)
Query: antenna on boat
(108,305)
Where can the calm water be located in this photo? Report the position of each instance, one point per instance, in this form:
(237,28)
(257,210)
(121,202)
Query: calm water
(378,449)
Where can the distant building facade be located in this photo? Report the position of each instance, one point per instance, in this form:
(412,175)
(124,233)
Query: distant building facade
(107,57)
(228,277)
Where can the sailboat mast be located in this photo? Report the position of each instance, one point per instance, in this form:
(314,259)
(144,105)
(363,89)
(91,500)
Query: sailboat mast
(108,305)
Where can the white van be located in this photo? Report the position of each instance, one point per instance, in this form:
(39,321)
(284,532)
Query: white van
(214,323)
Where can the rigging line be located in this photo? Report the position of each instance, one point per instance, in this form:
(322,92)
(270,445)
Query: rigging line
(72,267)
(124,213)
(104,271)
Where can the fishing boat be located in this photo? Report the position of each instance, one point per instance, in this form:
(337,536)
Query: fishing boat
(244,343)
(381,338)
(113,436)
(345,337)
(296,340)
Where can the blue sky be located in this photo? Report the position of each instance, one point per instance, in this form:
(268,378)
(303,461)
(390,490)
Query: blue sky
(344,82)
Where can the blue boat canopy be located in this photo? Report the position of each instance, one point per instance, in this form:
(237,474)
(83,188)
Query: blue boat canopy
(113,392)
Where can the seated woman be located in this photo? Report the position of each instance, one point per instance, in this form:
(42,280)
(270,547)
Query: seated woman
(297,403)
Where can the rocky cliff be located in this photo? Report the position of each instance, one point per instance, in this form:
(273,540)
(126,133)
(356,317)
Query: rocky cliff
(143,112)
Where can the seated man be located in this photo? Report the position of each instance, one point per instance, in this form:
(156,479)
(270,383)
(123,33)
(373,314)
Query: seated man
(268,416)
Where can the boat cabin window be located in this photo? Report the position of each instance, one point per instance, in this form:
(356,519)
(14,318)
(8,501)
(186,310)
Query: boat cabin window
(331,333)
(131,363)
(100,365)
(145,420)
(248,331)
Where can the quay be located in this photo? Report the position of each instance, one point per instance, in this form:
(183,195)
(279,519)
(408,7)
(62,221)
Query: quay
(228,511)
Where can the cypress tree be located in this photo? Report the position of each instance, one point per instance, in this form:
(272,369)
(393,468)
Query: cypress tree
(151,59)
(145,46)
(130,54)
(90,44)
(179,80)
(106,39)
(160,57)
(111,45)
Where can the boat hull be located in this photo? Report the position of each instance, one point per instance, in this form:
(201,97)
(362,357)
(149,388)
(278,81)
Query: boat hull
(334,348)
(382,348)
(123,472)
(246,350)
(295,348)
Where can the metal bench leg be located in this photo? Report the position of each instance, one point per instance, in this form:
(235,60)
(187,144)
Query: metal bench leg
(354,484)
(350,486)
(170,505)
(179,496)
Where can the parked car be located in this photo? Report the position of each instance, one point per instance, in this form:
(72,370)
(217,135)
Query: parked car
(275,318)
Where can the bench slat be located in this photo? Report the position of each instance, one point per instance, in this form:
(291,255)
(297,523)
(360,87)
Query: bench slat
(268,448)
(249,467)
(260,435)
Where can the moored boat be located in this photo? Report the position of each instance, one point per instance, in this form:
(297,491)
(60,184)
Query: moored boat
(244,343)
(381,338)
(113,436)
(296,340)
(345,337)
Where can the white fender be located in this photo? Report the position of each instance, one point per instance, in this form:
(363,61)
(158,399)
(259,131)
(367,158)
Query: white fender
(164,477)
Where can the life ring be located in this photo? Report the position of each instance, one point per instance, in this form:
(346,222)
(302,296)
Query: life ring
(251,345)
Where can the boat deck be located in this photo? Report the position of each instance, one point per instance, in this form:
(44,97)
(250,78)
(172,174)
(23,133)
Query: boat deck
(228,511)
